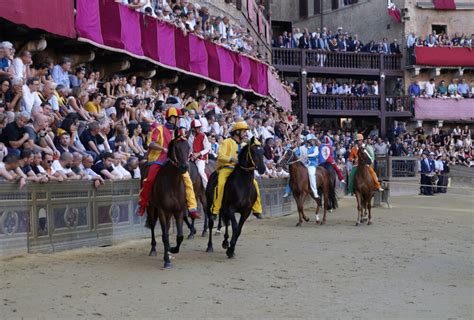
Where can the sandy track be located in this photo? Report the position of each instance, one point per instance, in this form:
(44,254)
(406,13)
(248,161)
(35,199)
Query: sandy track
(415,262)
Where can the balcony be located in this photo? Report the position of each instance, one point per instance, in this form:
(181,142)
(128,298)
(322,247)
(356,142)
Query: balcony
(349,106)
(315,61)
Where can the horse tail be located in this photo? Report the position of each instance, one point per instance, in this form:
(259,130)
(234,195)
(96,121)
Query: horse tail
(332,185)
(332,197)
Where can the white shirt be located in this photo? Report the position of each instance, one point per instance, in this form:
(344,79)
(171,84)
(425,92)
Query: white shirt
(29,99)
(265,133)
(439,165)
(217,129)
(57,167)
(429,89)
(205,125)
(18,69)
(88,171)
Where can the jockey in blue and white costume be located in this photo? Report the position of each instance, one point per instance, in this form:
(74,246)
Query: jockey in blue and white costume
(313,161)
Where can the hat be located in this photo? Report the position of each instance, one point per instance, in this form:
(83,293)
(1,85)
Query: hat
(172,112)
(432,153)
(172,102)
(240,125)
(310,137)
(359,137)
(6,44)
(196,124)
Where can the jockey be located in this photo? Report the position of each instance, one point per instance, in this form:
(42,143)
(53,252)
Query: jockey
(158,140)
(326,154)
(200,148)
(353,157)
(226,161)
(313,152)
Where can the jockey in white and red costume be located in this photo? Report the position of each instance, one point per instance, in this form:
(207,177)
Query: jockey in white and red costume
(200,147)
(326,155)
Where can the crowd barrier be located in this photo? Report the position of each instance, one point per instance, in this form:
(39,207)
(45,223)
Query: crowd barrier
(60,216)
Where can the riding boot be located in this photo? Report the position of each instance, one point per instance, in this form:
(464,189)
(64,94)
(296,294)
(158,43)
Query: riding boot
(377,184)
(190,197)
(257,206)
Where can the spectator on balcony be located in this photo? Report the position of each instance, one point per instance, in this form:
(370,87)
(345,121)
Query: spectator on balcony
(395,47)
(104,166)
(442,91)
(453,89)
(374,89)
(384,47)
(8,170)
(414,89)
(430,88)
(14,134)
(463,89)
(303,42)
(30,98)
(20,67)
(60,72)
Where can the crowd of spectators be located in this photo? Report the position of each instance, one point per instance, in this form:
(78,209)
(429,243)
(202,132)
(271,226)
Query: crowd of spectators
(455,90)
(340,41)
(58,125)
(440,40)
(193,18)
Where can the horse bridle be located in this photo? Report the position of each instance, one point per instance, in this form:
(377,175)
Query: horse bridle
(249,157)
(172,155)
(289,162)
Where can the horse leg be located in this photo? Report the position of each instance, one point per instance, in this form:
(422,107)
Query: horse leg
(225,243)
(359,208)
(164,222)
(190,226)
(153,240)
(305,218)
(299,204)
(211,225)
(236,230)
(179,229)
(206,219)
(318,205)
(219,225)
(369,208)
(326,204)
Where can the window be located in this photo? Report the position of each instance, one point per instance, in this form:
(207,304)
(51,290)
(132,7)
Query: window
(349,2)
(439,28)
(317,7)
(335,4)
(303,8)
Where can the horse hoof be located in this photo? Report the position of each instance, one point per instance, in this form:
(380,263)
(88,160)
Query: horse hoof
(191,236)
(357,224)
(174,250)
(306,219)
(152,253)
(369,223)
(204,234)
(209,249)
(230,253)
(225,244)
(322,222)
(167,265)
(298,224)
(218,232)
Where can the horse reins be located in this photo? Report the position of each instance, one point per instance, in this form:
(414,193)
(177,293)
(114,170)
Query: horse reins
(249,156)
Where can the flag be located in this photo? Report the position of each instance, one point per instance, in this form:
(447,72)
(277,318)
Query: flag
(393,11)
(445,5)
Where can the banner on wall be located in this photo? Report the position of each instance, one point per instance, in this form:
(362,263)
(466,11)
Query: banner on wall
(444,56)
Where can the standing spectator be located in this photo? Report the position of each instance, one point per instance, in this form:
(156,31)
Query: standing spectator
(442,91)
(380,148)
(430,88)
(395,47)
(463,89)
(414,89)
(60,72)
(397,149)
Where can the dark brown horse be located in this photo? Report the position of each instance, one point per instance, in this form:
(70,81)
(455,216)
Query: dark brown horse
(299,184)
(169,198)
(200,193)
(239,194)
(363,187)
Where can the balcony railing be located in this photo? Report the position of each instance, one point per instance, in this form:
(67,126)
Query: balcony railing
(399,104)
(343,103)
(284,57)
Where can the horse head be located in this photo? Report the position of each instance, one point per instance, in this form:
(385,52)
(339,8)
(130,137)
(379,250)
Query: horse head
(251,156)
(287,157)
(178,153)
(363,156)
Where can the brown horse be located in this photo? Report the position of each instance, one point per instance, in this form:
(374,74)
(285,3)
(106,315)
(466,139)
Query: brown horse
(363,187)
(299,184)
(169,198)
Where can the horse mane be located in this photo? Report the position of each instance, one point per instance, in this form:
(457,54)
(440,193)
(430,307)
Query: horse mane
(363,157)
(242,162)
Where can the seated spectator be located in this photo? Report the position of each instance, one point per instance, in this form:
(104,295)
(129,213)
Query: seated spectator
(90,138)
(8,168)
(38,134)
(132,167)
(30,98)
(89,174)
(63,167)
(46,164)
(104,167)
(93,105)
(64,143)
(19,69)
(78,80)
(60,72)
(6,51)
(24,167)
(14,134)
(119,172)
(40,71)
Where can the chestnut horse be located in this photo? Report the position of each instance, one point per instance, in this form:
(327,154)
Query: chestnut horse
(239,195)
(363,187)
(299,184)
(169,198)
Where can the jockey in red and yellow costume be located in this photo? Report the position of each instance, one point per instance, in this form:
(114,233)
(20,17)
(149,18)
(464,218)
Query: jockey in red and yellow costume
(226,161)
(200,148)
(158,140)
(326,155)
(355,156)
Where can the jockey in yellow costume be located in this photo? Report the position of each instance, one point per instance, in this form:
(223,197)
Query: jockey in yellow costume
(226,160)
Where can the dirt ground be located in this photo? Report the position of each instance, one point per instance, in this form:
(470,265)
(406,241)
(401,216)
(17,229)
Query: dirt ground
(414,262)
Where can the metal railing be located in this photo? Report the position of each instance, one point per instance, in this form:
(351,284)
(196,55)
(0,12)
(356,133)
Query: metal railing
(343,103)
(327,59)
(399,104)
(403,167)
